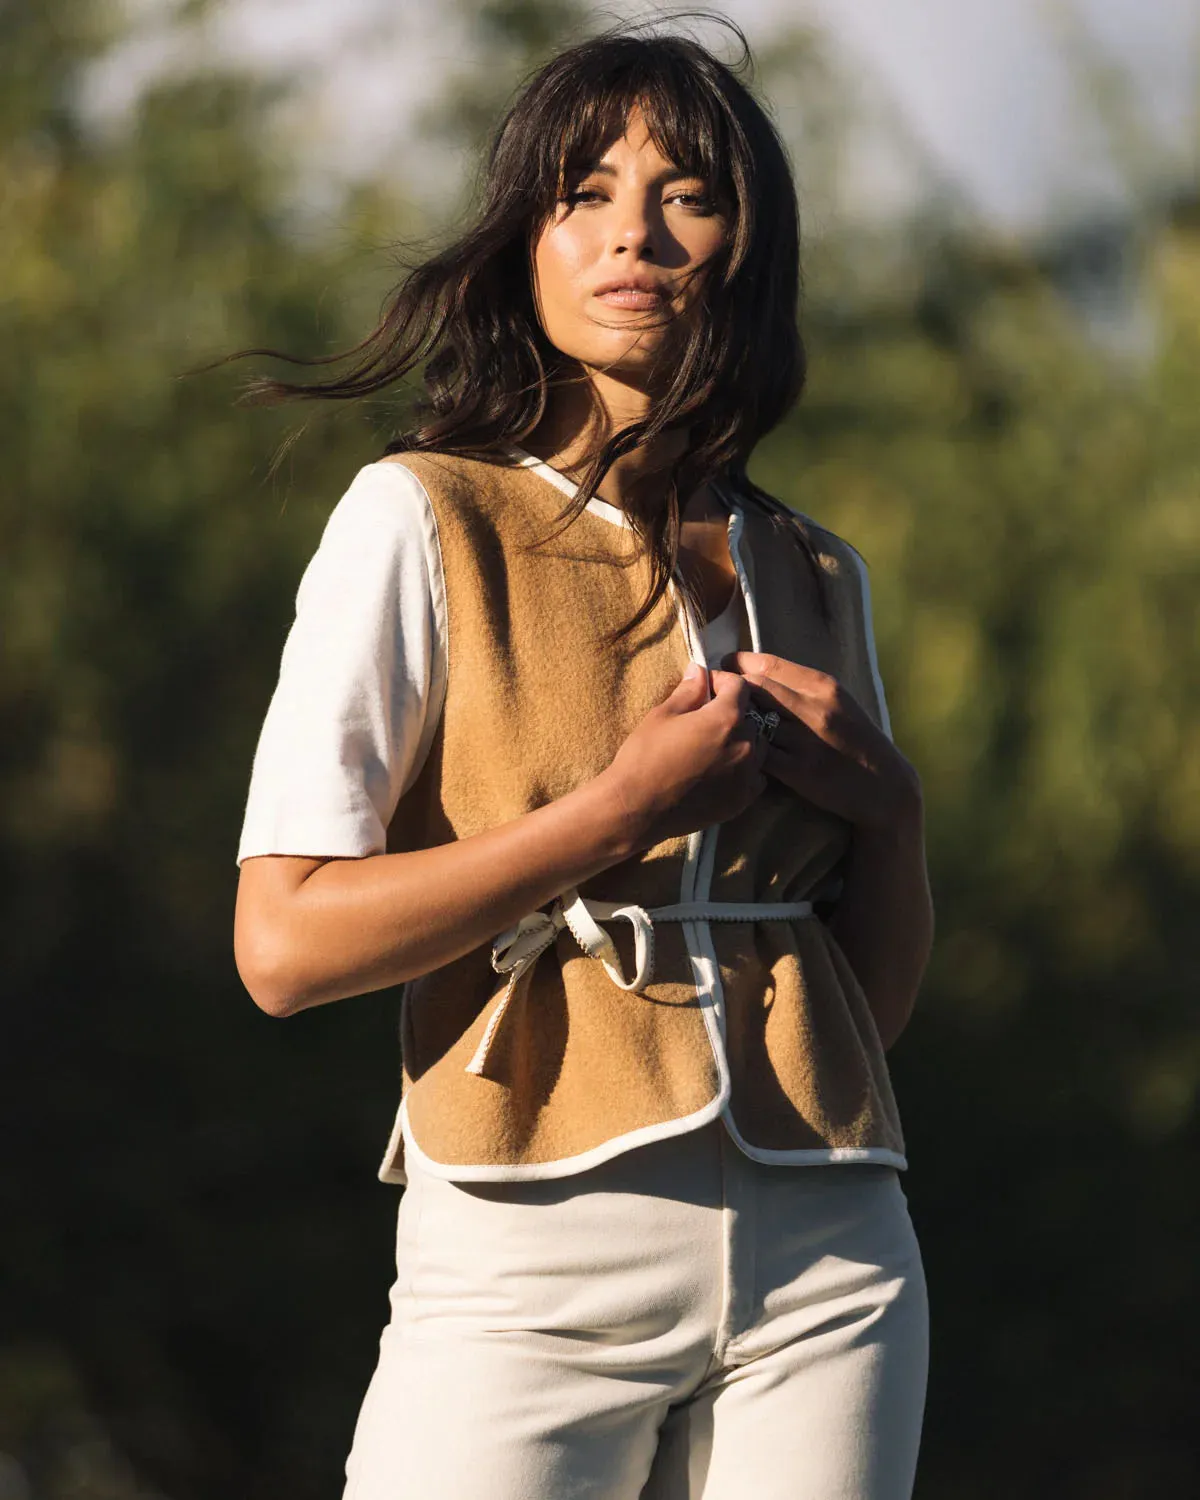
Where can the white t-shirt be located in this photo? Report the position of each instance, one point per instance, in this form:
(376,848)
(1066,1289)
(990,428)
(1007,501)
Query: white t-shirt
(723,631)
(362,678)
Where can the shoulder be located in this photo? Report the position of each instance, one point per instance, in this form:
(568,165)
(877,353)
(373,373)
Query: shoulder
(477,506)
(382,500)
(455,477)
(380,535)
(839,558)
(387,504)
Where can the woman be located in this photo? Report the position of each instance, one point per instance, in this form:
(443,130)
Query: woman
(608,787)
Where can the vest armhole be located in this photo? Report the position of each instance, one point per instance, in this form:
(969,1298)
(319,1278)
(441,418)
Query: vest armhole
(439,665)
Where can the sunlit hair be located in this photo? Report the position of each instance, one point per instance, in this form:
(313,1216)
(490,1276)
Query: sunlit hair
(734,363)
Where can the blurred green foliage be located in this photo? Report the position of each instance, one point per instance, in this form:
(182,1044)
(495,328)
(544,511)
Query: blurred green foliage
(195,1252)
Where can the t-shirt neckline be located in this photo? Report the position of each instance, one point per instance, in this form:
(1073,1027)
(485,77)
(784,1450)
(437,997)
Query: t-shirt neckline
(725,614)
(598,507)
(560,481)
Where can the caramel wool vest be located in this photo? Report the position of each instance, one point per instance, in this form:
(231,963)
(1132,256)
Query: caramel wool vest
(536,1055)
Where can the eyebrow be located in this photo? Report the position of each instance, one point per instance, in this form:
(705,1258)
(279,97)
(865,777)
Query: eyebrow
(674,175)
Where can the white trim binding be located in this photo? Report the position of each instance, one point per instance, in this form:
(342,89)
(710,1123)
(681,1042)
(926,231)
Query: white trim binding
(431,541)
(695,886)
(560,481)
(868,629)
(563,1166)
(814,1155)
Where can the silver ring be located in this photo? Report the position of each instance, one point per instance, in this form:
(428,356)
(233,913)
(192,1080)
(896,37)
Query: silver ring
(765,723)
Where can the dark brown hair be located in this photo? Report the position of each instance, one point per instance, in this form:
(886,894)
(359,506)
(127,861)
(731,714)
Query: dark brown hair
(468,313)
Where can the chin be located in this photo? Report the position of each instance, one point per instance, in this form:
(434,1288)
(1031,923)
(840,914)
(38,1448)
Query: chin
(619,362)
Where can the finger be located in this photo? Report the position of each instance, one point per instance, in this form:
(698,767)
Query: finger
(750,661)
(811,736)
(725,683)
(793,674)
(802,749)
(690,691)
(826,709)
(784,770)
(805,770)
(816,769)
(768,692)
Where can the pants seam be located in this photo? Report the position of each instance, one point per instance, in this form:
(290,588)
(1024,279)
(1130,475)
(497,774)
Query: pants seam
(723,1329)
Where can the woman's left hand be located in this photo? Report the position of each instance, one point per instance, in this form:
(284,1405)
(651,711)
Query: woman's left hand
(826,746)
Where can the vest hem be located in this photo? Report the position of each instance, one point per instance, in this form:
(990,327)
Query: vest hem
(563,1166)
(813,1155)
(695,884)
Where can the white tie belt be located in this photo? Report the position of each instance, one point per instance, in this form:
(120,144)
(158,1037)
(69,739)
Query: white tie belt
(519,947)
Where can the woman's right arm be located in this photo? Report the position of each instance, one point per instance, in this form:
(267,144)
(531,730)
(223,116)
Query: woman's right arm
(322,911)
(308,931)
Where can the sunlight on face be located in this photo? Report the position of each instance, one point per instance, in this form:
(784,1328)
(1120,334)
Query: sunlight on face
(612,264)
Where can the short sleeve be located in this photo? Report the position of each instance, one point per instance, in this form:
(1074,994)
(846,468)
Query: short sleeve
(361,679)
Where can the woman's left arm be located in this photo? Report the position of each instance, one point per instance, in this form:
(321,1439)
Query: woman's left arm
(884,918)
(829,750)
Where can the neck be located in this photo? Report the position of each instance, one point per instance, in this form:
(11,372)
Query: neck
(584,410)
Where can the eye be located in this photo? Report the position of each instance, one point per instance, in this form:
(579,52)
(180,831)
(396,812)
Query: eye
(581,195)
(693,198)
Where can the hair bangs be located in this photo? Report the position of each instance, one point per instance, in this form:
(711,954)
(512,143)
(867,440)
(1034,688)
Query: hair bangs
(468,315)
(588,109)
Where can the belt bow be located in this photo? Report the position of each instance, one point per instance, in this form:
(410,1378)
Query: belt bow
(518,948)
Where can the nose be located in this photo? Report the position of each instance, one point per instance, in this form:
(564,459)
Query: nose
(635,233)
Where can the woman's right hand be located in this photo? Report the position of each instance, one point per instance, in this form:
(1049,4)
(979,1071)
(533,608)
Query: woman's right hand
(693,759)
(312,930)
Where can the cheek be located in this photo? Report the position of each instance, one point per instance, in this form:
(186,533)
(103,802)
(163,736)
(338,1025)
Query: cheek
(563,256)
(713,237)
(702,239)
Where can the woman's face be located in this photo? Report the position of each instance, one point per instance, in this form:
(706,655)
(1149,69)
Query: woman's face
(611,264)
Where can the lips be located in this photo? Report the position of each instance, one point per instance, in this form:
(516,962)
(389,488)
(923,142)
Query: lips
(640,295)
(638,299)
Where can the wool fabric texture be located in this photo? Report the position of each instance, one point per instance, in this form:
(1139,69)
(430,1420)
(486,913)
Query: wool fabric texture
(762,1023)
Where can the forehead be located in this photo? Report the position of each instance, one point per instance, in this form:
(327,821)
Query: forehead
(637,144)
(657,131)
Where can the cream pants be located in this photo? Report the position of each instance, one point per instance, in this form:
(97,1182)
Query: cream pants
(681,1323)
